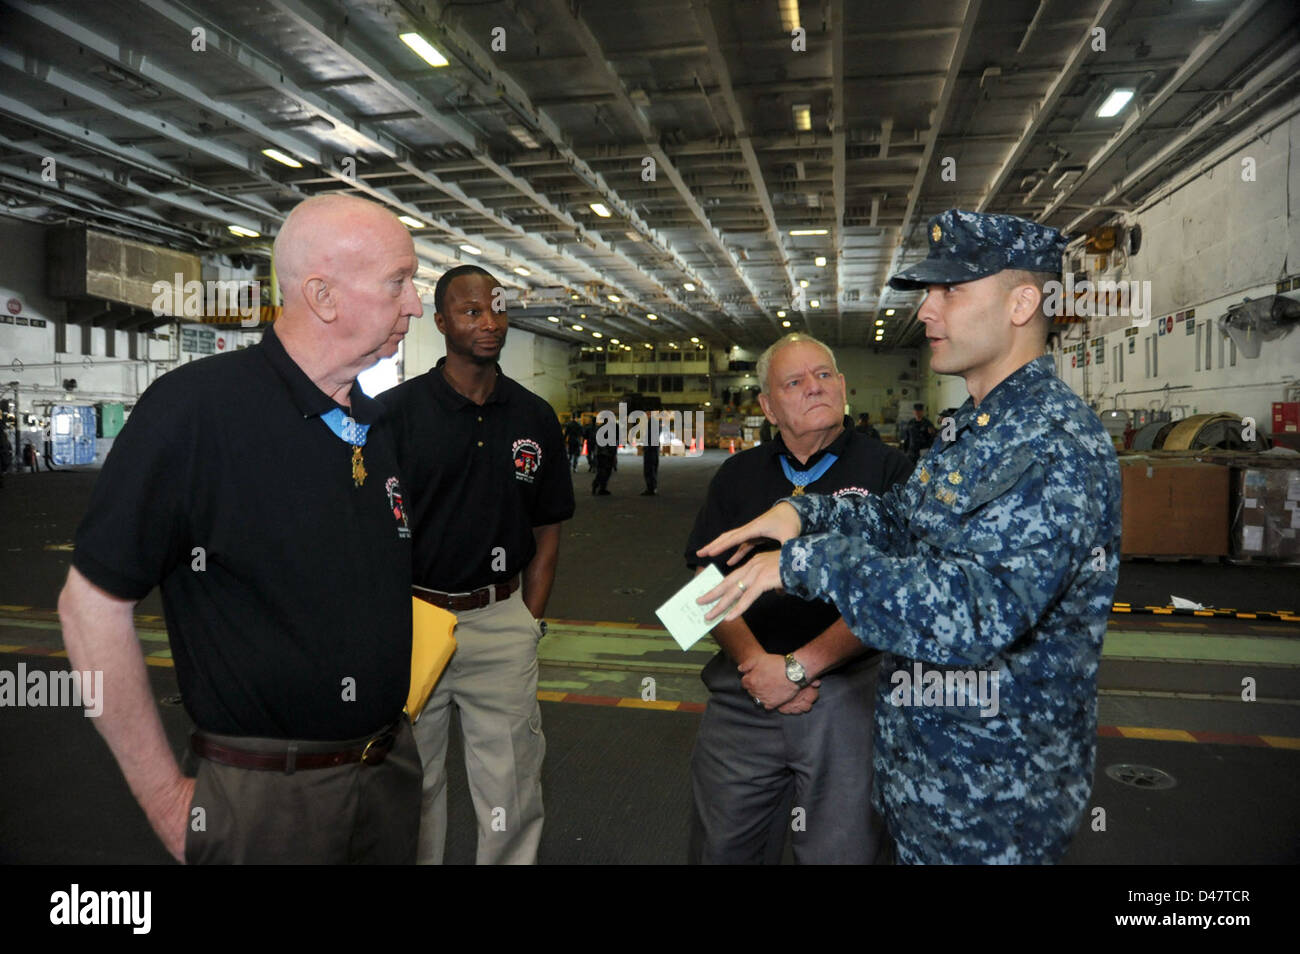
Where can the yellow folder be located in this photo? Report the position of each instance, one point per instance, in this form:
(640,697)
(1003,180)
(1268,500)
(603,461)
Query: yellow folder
(432,644)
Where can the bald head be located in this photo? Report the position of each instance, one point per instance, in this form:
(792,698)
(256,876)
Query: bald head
(346,269)
(327,235)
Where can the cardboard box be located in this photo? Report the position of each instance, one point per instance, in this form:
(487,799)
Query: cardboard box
(1174,507)
(1266,512)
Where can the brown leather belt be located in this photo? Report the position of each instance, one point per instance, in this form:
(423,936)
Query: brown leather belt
(372,751)
(477,599)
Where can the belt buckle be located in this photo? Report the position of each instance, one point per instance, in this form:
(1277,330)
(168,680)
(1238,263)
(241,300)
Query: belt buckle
(386,741)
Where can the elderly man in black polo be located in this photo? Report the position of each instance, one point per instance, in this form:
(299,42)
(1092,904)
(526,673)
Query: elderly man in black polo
(259,489)
(767,730)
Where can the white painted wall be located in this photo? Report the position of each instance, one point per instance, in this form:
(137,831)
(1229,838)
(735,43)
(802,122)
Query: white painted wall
(873,376)
(1210,244)
(43,369)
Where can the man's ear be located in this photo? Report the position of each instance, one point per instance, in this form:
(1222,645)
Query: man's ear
(767,408)
(1025,300)
(440,322)
(320,298)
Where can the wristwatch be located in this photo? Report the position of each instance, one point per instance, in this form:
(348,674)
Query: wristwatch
(795,672)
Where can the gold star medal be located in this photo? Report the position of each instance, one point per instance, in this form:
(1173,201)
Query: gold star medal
(358,466)
(798,491)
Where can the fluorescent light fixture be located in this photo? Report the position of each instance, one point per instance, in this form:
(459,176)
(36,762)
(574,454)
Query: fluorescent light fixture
(423,49)
(689,286)
(802,117)
(281,158)
(614,341)
(583,315)
(601,209)
(553,319)
(803,283)
(695,340)
(785,324)
(789,15)
(522,134)
(780,314)
(708,404)
(597,334)
(472,249)
(879,322)
(650,346)
(652,317)
(627,347)
(574,297)
(672,344)
(520,270)
(243,232)
(808,231)
(1115,102)
(410,220)
(889,313)
(613,298)
(632,236)
(576,327)
(814,303)
(820,261)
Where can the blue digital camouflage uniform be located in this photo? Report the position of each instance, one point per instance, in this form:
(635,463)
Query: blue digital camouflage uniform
(986,559)
(1000,554)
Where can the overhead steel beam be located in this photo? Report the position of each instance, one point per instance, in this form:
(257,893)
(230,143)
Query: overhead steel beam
(706,21)
(1044,112)
(837,157)
(580,31)
(303,149)
(60,79)
(1281,68)
(1196,60)
(320,28)
(122,183)
(969,15)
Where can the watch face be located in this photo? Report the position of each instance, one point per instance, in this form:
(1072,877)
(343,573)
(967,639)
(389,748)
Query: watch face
(793,671)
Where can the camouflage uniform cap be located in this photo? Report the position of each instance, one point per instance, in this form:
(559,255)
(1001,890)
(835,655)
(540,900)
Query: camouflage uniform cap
(965,246)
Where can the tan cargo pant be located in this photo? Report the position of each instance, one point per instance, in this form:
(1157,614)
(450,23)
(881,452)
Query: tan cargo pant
(492,682)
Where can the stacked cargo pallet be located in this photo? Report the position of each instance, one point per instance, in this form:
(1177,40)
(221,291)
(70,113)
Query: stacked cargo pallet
(1211,504)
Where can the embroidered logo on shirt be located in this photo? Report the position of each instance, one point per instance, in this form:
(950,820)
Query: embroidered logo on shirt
(528,458)
(397,507)
(852,492)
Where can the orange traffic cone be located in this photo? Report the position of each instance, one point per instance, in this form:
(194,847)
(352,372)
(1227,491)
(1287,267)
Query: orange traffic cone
(585,452)
(733,445)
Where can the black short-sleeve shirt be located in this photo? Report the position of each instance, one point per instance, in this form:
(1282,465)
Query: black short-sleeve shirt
(749,483)
(286,588)
(481,477)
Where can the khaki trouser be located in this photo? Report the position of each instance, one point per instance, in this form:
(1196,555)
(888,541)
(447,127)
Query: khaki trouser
(492,682)
(347,814)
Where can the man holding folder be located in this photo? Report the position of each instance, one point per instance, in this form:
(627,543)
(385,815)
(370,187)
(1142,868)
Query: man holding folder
(489,481)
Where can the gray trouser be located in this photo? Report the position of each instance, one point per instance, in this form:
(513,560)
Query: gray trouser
(747,758)
(348,814)
(492,682)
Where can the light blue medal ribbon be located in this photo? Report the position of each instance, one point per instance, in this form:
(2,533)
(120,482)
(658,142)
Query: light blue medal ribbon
(802,478)
(349,431)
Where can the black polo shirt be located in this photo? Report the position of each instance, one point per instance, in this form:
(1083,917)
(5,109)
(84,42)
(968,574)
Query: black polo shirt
(295,619)
(481,477)
(749,483)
